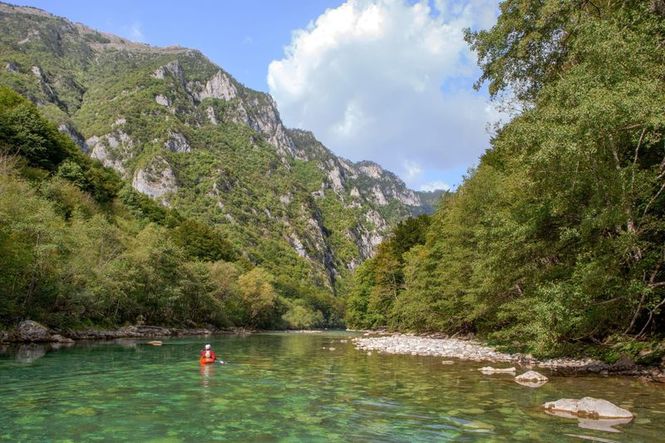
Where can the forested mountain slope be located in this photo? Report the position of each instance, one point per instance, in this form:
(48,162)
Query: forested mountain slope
(184,132)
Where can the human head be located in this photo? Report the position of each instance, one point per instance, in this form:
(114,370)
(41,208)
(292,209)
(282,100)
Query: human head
(207,346)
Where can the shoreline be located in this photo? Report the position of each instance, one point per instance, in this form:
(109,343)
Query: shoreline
(474,350)
(31,332)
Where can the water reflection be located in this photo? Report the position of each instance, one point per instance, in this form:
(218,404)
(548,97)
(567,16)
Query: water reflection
(29,353)
(207,374)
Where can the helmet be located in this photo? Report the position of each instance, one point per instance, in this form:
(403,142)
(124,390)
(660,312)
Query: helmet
(207,346)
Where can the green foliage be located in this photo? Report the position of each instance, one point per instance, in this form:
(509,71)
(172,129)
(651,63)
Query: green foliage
(25,133)
(556,240)
(379,280)
(202,242)
(259,298)
(77,248)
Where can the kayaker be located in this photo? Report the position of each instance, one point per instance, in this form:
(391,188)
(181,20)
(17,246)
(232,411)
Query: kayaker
(208,354)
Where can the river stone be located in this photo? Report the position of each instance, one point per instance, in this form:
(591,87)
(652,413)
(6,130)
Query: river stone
(490,370)
(532,376)
(588,407)
(31,331)
(57,338)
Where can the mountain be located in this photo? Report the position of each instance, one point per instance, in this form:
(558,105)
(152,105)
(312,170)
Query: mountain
(184,132)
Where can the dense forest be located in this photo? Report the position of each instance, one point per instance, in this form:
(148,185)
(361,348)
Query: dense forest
(555,242)
(81,247)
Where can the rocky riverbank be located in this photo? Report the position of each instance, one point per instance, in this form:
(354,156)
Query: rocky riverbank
(29,331)
(472,350)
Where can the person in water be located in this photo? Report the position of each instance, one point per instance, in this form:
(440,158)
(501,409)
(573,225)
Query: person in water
(208,353)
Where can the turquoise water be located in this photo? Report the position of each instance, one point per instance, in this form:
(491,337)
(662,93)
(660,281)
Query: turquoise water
(287,387)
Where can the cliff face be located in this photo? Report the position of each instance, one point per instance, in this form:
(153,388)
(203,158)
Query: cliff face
(183,131)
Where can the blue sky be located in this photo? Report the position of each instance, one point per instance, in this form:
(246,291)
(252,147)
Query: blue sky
(382,80)
(242,36)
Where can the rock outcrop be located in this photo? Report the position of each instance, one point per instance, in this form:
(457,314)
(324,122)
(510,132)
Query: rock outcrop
(71,132)
(177,143)
(156,179)
(31,331)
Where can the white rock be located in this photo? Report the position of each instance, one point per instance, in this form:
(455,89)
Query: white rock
(372,170)
(156,179)
(210,112)
(491,370)
(162,100)
(219,86)
(177,143)
(531,376)
(588,407)
(378,196)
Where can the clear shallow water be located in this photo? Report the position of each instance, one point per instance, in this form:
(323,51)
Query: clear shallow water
(285,387)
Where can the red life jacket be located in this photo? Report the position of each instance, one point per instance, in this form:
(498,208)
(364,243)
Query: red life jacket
(210,354)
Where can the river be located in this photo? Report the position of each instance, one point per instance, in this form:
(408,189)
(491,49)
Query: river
(292,387)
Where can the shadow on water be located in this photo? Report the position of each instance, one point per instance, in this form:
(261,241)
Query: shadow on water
(292,387)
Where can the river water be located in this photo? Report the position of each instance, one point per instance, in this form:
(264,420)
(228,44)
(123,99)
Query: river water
(292,387)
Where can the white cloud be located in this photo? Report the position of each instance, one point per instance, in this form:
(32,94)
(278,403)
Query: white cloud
(434,186)
(389,81)
(412,170)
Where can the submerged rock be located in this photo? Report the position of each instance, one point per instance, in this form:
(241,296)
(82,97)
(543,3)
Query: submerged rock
(587,407)
(488,370)
(603,424)
(531,384)
(57,338)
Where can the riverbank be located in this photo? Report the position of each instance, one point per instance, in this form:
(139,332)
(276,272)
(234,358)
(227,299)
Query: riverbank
(472,350)
(30,331)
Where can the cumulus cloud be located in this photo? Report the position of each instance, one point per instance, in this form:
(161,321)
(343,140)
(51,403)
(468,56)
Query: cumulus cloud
(434,186)
(389,81)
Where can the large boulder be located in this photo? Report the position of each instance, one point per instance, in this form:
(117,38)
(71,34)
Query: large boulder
(532,376)
(587,407)
(31,331)
(531,379)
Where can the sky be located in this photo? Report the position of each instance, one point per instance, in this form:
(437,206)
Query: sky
(382,80)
